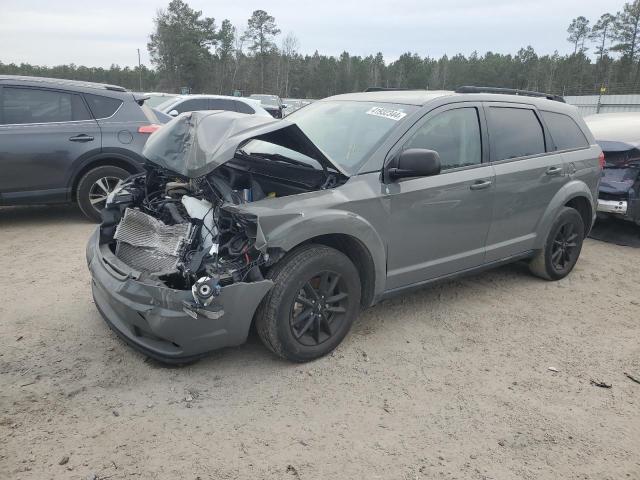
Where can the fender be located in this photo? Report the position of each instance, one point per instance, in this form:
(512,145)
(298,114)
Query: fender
(289,230)
(573,189)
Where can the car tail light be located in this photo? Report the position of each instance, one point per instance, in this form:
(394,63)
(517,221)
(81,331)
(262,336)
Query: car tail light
(148,128)
(601,159)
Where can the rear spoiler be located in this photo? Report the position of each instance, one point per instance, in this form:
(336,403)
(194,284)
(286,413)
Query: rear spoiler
(140,97)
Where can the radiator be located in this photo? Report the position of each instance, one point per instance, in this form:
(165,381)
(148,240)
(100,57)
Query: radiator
(147,244)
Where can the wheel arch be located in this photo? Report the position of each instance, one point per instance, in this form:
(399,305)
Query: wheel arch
(575,194)
(358,253)
(346,232)
(125,162)
(583,206)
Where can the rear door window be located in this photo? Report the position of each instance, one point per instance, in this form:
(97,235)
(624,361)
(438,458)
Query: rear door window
(102,107)
(192,105)
(244,108)
(33,105)
(222,104)
(454,134)
(515,132)
(565,131)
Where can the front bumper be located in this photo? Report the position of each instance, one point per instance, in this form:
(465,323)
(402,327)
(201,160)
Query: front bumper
(153,318)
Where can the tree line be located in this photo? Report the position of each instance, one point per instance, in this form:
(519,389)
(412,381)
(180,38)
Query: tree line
(189,50)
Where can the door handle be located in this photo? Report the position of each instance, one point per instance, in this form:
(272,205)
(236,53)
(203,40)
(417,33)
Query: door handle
(481,185)
(554,171)
(81,138)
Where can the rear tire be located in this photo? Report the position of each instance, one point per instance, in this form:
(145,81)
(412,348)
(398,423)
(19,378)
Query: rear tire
(93,188)
(313,302)
(561,248)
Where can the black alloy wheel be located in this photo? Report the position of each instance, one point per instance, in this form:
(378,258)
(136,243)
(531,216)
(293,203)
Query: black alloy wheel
(564,250)
(561,248)
(319,308)
(313,302)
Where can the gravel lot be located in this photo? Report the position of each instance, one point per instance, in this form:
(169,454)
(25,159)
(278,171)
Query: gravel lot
(449,382)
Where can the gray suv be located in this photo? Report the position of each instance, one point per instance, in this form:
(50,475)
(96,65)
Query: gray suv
(68,141)
(295,225)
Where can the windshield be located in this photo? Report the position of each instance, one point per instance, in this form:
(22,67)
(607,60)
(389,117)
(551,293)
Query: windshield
(155,100)
(347,132)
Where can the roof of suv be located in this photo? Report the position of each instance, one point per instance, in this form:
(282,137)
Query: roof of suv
(407,97)
(60,82)
(422,97)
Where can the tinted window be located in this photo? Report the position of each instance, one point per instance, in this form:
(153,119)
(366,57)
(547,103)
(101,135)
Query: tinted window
(222,104)
(565,132)
(244,108)
(454,134)
(102,107)
(31,105)
(515,132)
(192,105)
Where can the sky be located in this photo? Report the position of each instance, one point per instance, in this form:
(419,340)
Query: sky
(99,34)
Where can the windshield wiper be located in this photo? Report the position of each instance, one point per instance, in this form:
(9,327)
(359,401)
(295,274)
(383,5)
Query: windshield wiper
(275,156)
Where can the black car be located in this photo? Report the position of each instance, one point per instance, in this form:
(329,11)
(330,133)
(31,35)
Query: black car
(618,134)
(271,103)
(68,141)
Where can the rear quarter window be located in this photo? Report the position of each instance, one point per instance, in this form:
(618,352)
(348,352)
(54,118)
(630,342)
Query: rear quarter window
(515,132)
(565,131)
(102,107)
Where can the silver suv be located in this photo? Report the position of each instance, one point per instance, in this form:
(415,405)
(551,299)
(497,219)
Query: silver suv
(297,224)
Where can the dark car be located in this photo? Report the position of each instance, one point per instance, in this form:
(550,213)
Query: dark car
(271,103)
(294,225)
(68,141)
(619,136)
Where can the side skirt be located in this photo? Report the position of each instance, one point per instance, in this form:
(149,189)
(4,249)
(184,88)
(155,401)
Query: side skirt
(461,273)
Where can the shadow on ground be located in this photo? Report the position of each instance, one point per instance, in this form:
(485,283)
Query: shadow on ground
(41,214)
(619,232)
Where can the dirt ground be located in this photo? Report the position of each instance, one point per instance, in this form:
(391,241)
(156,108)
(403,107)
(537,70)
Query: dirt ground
(448,382)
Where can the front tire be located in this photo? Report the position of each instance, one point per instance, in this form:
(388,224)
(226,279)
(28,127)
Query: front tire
(95,186)
(561,248)
(313,302)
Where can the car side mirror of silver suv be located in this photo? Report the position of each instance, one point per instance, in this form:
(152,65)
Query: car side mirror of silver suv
(415,162)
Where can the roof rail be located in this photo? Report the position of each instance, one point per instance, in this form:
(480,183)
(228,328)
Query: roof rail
(64,81)
(385,89)
(509,91)
(115,88)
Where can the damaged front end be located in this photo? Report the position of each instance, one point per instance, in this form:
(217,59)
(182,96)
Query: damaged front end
(178,268)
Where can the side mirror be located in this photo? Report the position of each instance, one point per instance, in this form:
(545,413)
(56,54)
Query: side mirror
(174,113)
(415,162)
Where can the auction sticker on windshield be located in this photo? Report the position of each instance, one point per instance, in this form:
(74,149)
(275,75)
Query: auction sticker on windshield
(386,113)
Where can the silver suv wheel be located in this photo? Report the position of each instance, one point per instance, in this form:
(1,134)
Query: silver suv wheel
(100,190)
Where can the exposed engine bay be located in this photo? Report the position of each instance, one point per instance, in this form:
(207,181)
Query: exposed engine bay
(180,232)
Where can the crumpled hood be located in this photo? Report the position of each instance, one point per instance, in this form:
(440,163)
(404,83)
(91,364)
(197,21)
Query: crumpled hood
(196,143)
